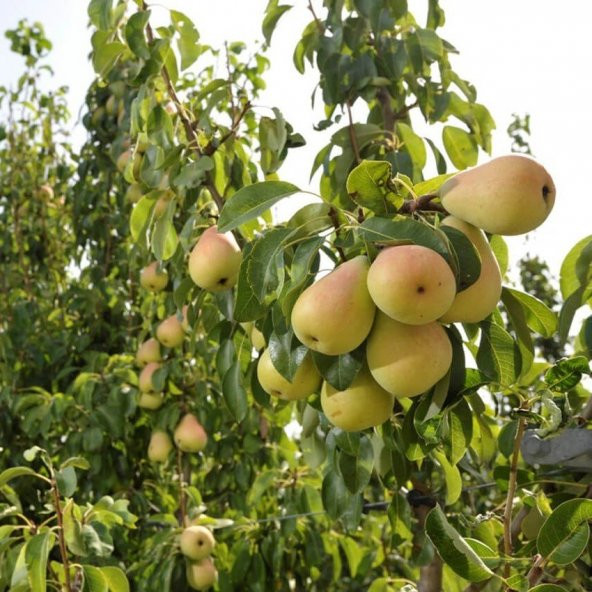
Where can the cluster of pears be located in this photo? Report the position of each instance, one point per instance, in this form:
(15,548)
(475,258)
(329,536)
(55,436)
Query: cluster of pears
(397,304)
(197,543)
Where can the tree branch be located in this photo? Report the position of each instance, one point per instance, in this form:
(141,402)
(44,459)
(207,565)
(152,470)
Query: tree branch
(336,225)
(182,495)
(61,538)
(316,18)
(423,203)
(352,133)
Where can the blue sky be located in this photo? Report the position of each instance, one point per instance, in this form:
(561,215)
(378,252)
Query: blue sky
(523,56)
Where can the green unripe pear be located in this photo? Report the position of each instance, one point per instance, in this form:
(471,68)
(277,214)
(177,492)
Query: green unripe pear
(154,279)
(335,314)
(480,299)
(215,261)
(197,542)
(362,405)
(122,160)
(306,381)
(148,352)
(170,332)
(111,105)
(151,401)
(134,193)
(190,435)
(145,383)
(46,192)
(411,284)
(201,575)
(407,360)
(160,446)
(508,195)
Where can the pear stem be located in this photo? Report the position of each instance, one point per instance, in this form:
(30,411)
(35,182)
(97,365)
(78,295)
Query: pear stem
(423,203)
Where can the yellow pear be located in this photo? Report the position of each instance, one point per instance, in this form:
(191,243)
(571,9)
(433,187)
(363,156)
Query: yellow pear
(190,435)
(134,192)
(154,279)
(148,352)
(507,195)
(256,337)
(197,542)
(160,446)
(201,575)
(360,406)
(46,192)
(335,314)
(145,383)
(151,401)
(480,299)
(306,381)
(215,261)
(122,160)
(411,284)
(170,332)
(407,360)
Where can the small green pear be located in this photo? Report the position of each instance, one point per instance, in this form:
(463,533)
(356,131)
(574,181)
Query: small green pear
(46,192)
(201,575)
(190,435)
(170,332)
(215,261)
(134,193)
(151,401)
(148,352)
(306,381)
(335,314)
(256,337)
(480,299)
(508,195)
(122,160)
(154,279)
(197,542)
(111,105)
(160,446)
(362,405)
(145,383)
(407,360)
(411,284)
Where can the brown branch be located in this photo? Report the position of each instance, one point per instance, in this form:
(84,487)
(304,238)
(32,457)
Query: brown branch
(536,571)
(182,494)
(388,115)
(211,148)
(352,133)
(316,18)
(61,538)
(508,547)
(230,95)
(423,203)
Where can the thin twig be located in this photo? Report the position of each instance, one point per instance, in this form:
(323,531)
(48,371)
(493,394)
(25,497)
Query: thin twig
(336,225)
(508,547)
(316,18)
(182,495)
(424,203)
(61,538)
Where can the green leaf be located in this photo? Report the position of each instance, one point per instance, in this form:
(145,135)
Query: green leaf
(164,238)
(76,461)
(336,497)
(273,13)
(568,310)
(187,43)
(566,373)
(287,353)
(262,483)
(498,355)
(561,535)
(246,305)
(13,472)
(574,271)
(36,554)
(500,250)
(354,552)
(99,12)
(452,477)
(252,201)
(105,54)
(234,392)
(453,549)
(193,173)
(517,317)
(548,588)
(460,147)
(340,371)
(134,34)
(116,579)
(140,217)
(413,144)
(368,186)
(66,480)
(460,430)
(357,470)
(539,317)
(94,579)
(469,261)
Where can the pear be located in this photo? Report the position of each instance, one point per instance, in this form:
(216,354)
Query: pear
(145,383)
(215,261)
(411,284)
(197,542)
(360,406)
(46,192)
(154,279)
(151,401)
(134,192)
(508,195)
(256,337)
(407,360)
(190,435)
(148,352)
(122,160)
(201,575)
(335,314)
(160,446)
(480,299)
(170,332)
(306,381)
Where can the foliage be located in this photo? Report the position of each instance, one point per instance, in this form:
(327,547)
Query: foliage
(175,144)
